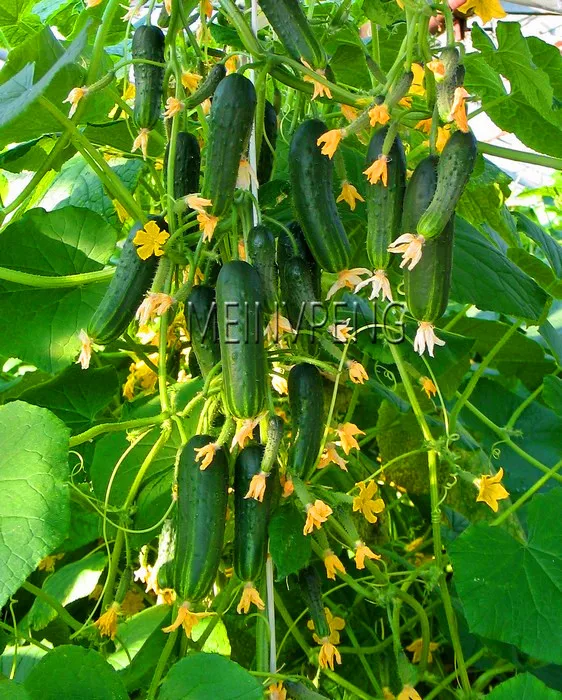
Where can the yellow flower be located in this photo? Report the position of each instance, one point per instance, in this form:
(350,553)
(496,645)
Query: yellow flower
(173,107)
(207,8)
(206,106)
(425,337)
(141,142)
(458,110)
(350,195)
(132,603)
(186,619)
(85,350)
(197,203)
(378,170)
(331,140)
(332,563)
(437,68)
(122,213)
(347,278)
(231,64)
(340,331)
(277,326)
(246,177)
(279,384)
(405,102)
(387,694)
(350,113)
(428,386)
(327,655)
(379,114)
(245,432)
(363,552)
(410,245)
(92,3)
(142,375)
(316,514)
(330,456)
(416,649)
(357,372)
(190,81)
(408,693)
(491,490)
(131,14)
(207,224)
(416,88)
(107,623)
(424,125)
(380,283)
(443,135)
(249,596)
(207,454)
(365,503)
(48,563)
(154,304)
(277,691)
(336,625)
(288,487)
(320,90)
(150,240)
(485,9)
(413,545)
(257,486)
(74,97)
(346,433)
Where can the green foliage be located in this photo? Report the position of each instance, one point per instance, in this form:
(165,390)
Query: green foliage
(289,548)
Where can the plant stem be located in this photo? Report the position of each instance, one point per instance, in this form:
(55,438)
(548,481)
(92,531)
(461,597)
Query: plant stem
(435,693)
(55,282)
(522,406)
(161,665)
(64,615)
(520,156)
(102,428)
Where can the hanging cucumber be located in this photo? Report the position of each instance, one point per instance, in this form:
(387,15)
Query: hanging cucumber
(201,317)
(129,284)
(286,251)
(269,141)
(187,164)
(313,198)
(293,29)
(298,293)
(306,401)
(446,85)
(310,586)
(148,44)
(261,254)
(240,319)
(384,204)
(201,518)
(207,87)
(231,122)
(453,172)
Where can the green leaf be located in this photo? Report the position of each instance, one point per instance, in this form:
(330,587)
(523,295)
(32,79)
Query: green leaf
(290,549)
(217,642)
(10,690)
(76,396)
(134,633)
(74,672)
(515,598)
(117,134)
(41,326)
(550,247)
(204,676)
(67,584)
(34,509)
(350,68)
(26,657)
(485,277)
(536,269)
(548,58)
(552,394)
(382,12)
(153,501)
(524,686)
(16,20)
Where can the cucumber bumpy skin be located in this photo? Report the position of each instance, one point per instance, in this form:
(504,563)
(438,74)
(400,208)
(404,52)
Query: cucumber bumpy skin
(201,315)
(261,254)
(148,44)
(187,164)
(306,400)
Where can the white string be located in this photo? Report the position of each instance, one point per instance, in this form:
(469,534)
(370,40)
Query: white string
(253,152)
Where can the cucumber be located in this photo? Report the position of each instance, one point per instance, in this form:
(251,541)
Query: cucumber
(268,143)
(306,401)
(164,564)
(275,428)
(313,198)
(240,318)
(231,121)
(453,172)
(261,254)
(298,293)
(201,518)
(384,204)
(445,88)
(207,87)
(129,284)
(186,166)
(286,251)
(310,586)
(251,517)
(294,31)
(201,318)
(148,43)
(427,285)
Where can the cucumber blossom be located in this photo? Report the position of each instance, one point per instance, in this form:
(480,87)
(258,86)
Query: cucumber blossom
(148,44)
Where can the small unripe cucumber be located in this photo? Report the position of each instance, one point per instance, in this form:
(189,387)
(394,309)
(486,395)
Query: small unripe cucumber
(201,317)
(148,44)
(311,591)
(186,166)
(293,29)
(446,86)
(261,254)
(269,141)
(306,400)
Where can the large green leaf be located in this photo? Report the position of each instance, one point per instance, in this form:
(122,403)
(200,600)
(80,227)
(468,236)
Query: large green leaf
(34,509)
(551,248)
(289,548)
(10,690)
(74,672)
(41,326)
(536,269)
(67,584)
(17,21)
(552,393)
(204,676)
(524,687)
(516,597)
(26,657)
(485,277)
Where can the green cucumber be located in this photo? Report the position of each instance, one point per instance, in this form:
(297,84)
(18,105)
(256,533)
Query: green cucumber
(261,254)
(251,517)
(298,294)
(231,121)
(453,172)
(310,586)
(427,285)
(293,29)
(207,87)
(275,427)
(445,87)
(201,319)
(148,44)
(384,204)
(164,564)
(201,518)
(313,198)
(286,250)
(306,401)
(299,691)
(240,318)
(129,284)
(186,166)
(268,143)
